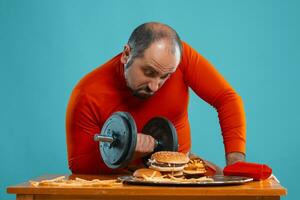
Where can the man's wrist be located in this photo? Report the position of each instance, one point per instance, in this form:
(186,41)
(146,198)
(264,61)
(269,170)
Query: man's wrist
(234,157)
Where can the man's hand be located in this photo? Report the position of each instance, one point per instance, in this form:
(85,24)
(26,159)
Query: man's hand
(145,145)
(234,157)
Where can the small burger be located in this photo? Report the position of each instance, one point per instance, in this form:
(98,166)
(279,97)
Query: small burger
(146,172)
(168,162)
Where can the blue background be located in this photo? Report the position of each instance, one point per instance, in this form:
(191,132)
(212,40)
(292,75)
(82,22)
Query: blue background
(47,46)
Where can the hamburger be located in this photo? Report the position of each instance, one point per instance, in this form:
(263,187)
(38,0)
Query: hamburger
(141,173)
(169,162)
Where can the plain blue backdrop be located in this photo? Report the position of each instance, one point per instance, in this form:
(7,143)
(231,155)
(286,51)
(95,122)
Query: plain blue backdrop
(46,46)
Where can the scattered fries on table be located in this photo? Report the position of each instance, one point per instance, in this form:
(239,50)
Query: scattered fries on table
(61,181)
(172,179)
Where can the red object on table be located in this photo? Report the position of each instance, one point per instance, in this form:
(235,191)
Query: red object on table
(247,169)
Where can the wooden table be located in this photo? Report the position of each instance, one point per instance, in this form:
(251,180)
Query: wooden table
(267,190)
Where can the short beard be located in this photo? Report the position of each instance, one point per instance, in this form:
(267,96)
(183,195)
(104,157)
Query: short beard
(136,92)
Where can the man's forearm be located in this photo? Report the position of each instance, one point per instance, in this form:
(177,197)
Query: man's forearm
(234,157)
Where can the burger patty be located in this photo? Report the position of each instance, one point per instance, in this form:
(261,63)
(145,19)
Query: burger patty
(167,164)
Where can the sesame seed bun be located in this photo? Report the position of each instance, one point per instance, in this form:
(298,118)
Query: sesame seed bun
(139,173)
(168,161)
(170,157)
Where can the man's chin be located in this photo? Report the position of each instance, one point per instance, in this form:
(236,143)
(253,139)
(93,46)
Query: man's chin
(142,95)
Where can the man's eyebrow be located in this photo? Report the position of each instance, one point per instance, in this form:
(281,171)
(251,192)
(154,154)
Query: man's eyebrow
(158,73)
(152,68)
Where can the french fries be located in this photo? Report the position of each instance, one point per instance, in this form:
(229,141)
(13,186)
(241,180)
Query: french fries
(77,182)
(172,179)
(196,165)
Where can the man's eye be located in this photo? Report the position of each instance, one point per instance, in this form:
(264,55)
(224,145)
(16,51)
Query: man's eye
(165,76)
(149,73)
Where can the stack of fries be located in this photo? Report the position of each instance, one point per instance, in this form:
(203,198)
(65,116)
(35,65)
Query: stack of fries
(77,182)
(196,165)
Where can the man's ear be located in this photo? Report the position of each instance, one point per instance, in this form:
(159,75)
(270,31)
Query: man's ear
(125,54)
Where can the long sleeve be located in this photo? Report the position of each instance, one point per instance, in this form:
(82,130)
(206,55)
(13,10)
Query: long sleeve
(209,85)
(81,126)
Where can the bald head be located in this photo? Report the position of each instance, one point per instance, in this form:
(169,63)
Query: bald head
(148,33)
(151,55)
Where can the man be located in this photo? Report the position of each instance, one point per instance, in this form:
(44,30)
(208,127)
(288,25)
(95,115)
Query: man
(150,78)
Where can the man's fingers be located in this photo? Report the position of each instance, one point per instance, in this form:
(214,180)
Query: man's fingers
(145,143)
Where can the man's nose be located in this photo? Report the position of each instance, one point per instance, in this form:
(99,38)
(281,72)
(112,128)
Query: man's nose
(154,84)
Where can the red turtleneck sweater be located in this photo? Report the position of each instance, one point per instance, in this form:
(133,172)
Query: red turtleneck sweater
(104,91)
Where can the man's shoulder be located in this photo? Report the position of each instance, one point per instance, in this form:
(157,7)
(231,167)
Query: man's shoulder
(103,73)
(190,56)
(186,48)
(101,79)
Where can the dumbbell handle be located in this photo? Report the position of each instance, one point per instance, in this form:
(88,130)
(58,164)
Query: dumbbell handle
(109,139)
(155,145)
(103,138)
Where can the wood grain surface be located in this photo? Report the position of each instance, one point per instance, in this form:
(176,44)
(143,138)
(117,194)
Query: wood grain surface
(267,189)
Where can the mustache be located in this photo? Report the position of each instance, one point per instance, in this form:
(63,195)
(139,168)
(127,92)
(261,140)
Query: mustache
(147,90)
(143,92)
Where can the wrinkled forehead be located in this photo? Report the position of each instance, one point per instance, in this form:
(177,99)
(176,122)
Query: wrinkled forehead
(162,57)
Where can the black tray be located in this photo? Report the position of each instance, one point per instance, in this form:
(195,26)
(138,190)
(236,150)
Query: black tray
(218,180)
